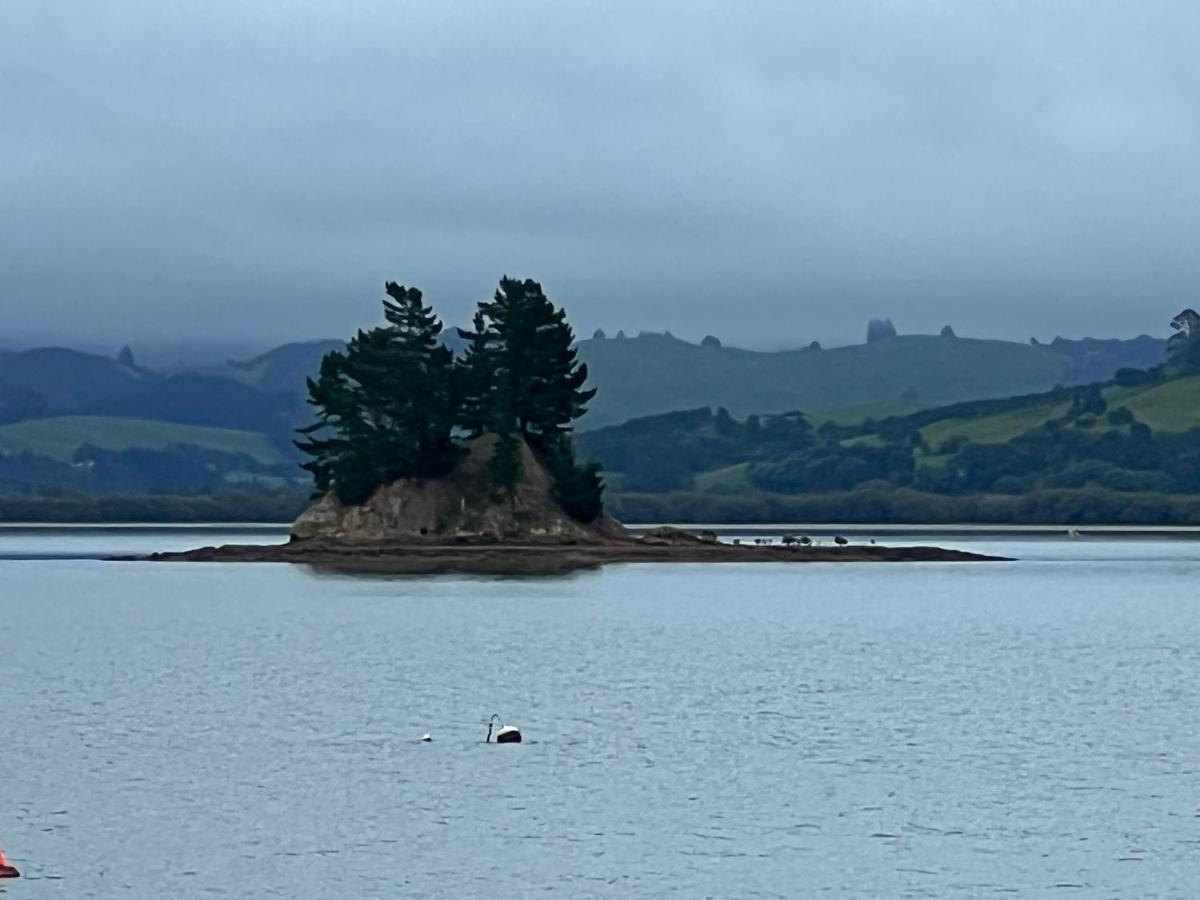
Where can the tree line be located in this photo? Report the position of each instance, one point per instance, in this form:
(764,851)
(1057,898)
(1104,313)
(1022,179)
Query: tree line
(396,403)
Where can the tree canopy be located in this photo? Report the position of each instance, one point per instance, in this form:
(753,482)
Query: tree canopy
(1183,347)
(395,403)
(880,330)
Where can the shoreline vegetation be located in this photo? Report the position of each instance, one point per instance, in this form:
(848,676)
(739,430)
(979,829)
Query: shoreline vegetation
(899,507)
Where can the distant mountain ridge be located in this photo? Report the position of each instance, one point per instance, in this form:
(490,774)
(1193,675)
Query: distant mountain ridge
(56,381)
(77,421)
(656,373)
(644,375)
(1094,359)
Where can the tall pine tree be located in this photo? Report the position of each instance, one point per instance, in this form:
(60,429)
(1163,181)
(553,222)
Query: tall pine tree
(533,360)
(385,406)
(525,376)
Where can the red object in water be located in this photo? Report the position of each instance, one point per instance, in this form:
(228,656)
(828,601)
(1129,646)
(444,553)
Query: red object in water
(7,871)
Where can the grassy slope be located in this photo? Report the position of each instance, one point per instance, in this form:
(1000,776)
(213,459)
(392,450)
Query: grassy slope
(993,429)
(59,437)
(656,374)
(1174,406)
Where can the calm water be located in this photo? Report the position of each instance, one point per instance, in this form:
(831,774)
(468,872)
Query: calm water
(198,731)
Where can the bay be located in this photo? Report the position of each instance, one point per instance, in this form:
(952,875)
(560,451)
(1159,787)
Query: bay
(835,730)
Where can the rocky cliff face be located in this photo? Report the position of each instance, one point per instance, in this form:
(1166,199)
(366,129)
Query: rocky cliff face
(462,505)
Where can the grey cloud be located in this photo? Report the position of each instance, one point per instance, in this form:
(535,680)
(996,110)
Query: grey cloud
(767,172)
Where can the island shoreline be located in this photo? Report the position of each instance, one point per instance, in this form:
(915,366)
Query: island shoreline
(530,558)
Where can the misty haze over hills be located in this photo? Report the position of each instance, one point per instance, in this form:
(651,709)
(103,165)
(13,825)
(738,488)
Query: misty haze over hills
(183,353)
(752,170)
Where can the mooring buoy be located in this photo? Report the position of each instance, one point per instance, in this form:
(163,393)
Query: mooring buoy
(507,734)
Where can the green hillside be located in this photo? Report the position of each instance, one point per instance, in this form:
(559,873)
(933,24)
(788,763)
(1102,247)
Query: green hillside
(657,373)
(995,429)
(55,382)
(58,438)
(1087,454)
(1174,406)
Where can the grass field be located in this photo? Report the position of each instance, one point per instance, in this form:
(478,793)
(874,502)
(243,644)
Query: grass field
(866,440)
(992,429)
(1174,406)
(59,437)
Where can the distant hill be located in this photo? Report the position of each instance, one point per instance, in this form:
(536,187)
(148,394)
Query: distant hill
(61,437)
(1093,359)
(639,376)
(284,369)
(214,424)
(1116,452)
(61,382)
(657,373)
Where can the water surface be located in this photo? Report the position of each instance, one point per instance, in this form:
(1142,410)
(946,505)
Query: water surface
(861,730)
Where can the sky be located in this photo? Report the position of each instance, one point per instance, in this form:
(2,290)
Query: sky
(771,173)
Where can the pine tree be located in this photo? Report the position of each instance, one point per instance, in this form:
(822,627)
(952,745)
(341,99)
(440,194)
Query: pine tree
(474,374)
(385,406)
(1183,347)
(419,384)
(579,489)
(522,378)
(534,360)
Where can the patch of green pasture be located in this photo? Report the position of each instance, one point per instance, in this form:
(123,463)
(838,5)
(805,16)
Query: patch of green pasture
(995,429)
(60,436)
(1173,406)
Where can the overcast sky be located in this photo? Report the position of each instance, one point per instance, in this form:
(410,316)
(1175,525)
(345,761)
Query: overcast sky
(768,172)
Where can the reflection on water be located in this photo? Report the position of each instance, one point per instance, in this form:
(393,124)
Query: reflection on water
(915,730)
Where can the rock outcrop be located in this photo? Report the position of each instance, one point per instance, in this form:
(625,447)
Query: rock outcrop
(463,505)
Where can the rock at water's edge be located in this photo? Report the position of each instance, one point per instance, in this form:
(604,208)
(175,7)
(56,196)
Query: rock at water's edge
(462,504)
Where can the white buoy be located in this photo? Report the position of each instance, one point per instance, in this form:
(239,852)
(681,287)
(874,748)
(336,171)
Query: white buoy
(508,734)
(426,738)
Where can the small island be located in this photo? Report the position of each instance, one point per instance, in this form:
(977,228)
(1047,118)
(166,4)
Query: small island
(424,463)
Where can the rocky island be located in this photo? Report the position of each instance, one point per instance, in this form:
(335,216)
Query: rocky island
(427,464)
(457,525)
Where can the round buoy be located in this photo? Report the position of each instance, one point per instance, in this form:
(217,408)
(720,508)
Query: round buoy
(426,738)
(7,871)
(509,734)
